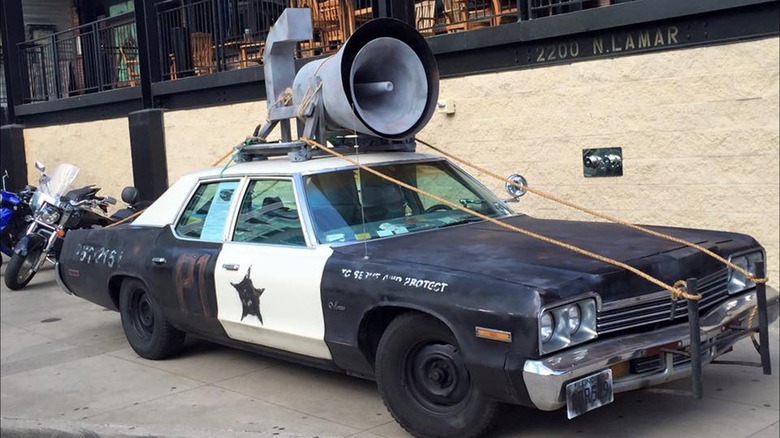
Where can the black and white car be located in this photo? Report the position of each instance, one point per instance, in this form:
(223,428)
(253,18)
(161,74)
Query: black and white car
(323,263)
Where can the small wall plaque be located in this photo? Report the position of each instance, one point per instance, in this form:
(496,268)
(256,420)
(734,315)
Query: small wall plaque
(602,162)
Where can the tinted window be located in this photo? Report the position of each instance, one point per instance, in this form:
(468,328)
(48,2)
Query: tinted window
(269,215)
(207,212)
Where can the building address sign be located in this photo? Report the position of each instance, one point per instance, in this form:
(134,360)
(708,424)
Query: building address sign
(605,44)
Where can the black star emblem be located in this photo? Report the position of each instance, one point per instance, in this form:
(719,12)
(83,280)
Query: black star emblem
(250,296)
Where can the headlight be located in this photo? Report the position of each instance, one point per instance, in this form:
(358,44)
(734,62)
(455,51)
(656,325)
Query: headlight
(546,327)
(49,215)
(573,318)
(737,280)
(567,325)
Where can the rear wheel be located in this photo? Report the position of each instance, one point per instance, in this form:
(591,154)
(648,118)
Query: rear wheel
(147,330)
(424,382)
(20,269)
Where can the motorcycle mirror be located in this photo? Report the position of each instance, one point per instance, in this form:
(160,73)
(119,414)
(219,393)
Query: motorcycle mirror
(110,200)
(5,175)
(40,166)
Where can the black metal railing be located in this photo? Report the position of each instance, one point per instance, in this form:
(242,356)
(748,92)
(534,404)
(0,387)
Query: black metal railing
(546,8)
(98,56)
(196,37)
(207,36)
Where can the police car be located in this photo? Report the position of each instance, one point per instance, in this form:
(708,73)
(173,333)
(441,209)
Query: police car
(323,263)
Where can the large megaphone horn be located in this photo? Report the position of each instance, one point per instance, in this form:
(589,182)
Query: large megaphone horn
(383,82)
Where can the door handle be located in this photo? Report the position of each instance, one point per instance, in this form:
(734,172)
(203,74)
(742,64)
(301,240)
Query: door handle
(231,266)
(158,261)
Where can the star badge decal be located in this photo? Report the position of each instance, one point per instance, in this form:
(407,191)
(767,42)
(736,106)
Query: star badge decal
(249,296)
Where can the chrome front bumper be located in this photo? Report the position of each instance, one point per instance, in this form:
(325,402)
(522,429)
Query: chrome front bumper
(721,328)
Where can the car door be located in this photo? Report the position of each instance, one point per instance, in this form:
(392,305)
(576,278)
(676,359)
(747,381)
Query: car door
(268,274)
(184,257)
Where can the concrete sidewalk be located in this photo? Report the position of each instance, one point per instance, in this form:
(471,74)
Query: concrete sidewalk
(67,371)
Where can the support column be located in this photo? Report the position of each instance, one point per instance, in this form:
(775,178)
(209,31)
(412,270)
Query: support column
(399,9)
(12,156)
(147,149)
(12,33)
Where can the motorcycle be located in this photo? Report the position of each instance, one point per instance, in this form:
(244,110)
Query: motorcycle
(15,214)
(56,210)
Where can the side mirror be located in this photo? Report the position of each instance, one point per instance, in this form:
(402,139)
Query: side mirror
(5,175)
(515,185)
(40,166)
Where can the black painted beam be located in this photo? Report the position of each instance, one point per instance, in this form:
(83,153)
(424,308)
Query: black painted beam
(144,12)
(12,26)
(619,30)
(460,56)
(147,150)
(12,156)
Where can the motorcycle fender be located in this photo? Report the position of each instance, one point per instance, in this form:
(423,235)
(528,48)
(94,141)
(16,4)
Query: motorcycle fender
(29,242)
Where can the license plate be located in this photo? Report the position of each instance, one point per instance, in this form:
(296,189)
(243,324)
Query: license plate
(589,393)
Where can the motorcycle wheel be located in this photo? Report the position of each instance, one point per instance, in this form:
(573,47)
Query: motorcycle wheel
(20,269)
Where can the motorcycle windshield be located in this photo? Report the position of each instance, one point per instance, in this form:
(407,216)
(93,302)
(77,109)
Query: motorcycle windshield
(59,180)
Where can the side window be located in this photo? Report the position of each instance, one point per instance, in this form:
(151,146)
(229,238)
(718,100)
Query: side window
(269,214)
(207,212)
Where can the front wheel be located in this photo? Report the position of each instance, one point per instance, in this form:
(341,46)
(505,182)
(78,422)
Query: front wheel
(424,382)
(146,328)
(21,269)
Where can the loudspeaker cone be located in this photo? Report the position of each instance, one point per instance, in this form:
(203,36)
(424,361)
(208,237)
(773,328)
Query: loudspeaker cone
(383,82)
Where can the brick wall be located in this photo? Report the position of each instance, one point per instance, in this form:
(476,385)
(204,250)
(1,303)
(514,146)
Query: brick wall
(698,128)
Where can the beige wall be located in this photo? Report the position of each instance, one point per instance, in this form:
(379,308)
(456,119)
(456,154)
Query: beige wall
(100,149)
(698,128)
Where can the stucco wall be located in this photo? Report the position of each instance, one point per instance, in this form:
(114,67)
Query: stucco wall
(698,128)
(100,149)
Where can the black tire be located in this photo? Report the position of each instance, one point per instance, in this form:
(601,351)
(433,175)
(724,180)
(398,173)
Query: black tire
(19,271)
(145,326)
(424,382)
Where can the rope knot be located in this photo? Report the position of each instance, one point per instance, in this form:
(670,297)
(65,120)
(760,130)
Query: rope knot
(680,290)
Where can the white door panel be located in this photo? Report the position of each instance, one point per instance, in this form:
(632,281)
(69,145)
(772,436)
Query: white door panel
(287,280)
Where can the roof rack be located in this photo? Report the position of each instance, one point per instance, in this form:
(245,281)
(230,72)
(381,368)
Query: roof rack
(256,149)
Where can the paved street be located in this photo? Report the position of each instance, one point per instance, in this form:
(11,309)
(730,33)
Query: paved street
(67,370)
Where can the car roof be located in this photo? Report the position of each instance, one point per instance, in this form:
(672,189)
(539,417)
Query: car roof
(164,210)
(283,166)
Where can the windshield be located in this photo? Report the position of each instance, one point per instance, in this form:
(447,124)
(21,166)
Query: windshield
(57,182)
(351,205)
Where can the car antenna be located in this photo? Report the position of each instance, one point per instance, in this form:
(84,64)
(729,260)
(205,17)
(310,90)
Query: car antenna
(360,184)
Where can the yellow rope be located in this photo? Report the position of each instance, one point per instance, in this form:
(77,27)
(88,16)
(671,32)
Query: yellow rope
(222,158)
(132,216)
(640,228)
(676,291)
(307,99)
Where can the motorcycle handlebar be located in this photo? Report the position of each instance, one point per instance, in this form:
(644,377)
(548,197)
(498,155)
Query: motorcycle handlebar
(94,202)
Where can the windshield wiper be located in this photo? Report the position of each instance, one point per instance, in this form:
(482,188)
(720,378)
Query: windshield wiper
(465,220)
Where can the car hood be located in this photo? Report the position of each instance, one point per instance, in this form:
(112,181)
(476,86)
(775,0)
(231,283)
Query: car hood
(489,250)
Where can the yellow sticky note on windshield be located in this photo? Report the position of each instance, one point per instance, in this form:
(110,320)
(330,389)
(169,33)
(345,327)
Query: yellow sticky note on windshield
(363,236)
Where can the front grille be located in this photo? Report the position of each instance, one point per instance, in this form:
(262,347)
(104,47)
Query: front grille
(659,307)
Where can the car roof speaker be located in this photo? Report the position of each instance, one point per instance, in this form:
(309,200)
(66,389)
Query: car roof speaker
(383,82)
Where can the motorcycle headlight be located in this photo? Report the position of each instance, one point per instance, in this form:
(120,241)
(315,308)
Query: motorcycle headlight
(738,282)
(49,215)
(567,325)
